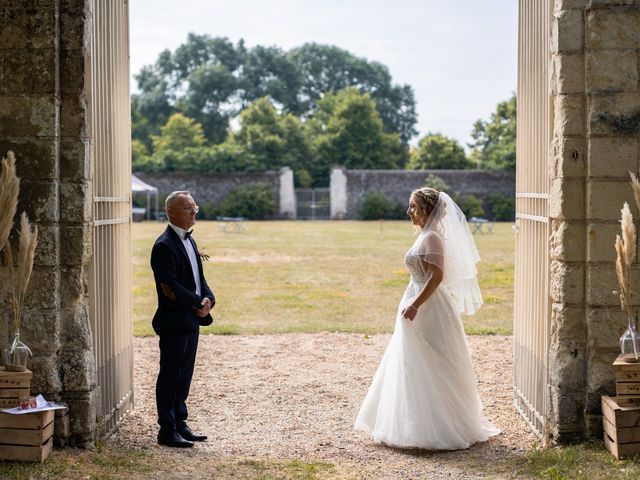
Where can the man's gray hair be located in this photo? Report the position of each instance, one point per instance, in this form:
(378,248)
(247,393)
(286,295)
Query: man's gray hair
(172,196)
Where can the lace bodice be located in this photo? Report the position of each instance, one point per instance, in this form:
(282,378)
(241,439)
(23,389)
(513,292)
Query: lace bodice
(427,249)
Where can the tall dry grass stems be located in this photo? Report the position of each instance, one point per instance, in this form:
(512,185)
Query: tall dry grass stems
(20,274)
(9,189)
(20,271)
(625,250)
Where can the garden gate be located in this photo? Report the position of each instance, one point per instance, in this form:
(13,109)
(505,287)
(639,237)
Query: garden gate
(110,272)
(531,303)
(313,204)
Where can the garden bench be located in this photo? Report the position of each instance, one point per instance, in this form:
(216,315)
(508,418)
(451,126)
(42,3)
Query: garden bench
(231,224)
(481,225)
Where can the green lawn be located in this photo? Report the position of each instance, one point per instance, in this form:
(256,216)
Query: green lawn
(317,276)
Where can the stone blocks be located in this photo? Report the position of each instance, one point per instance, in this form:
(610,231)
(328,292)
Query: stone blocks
(613,156)
(567,32)
(568,74)
(605,199)
(569,115)
(568,157)
(613,28)
(566,282)
(611,70)
(567,241)
(566,199)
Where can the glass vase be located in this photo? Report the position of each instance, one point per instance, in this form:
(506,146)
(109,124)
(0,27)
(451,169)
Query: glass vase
(630,344)
(17,355)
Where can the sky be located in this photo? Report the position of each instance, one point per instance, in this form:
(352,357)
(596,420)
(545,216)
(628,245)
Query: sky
(459,56)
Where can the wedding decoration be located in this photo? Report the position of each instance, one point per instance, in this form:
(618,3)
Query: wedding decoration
(625,246)
(19,275)
(16,356)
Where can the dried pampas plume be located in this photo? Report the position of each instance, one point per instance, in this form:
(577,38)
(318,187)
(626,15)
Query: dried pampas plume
(9,189)
(21,273)
(625,253)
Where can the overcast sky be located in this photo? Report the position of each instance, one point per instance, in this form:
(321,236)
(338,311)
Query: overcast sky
(459,56)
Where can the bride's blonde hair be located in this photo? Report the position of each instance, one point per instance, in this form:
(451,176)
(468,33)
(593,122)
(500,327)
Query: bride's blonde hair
(426,199)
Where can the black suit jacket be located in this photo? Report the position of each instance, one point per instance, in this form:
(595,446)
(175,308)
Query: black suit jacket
(176,287)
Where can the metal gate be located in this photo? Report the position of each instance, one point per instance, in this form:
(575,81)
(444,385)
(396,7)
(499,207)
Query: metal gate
(531,303)
(313,204)
(110,270)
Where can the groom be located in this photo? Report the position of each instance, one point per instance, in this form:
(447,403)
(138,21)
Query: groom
(184,302)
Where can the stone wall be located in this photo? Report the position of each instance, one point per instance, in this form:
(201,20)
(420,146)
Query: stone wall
(210,189)
(397,185)
(595,47)
(43,118)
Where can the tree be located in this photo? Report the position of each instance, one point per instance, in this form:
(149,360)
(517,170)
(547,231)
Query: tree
(494,147)
(273,140)
(347,130)
(329,69)
(436,151)
(179,135)
(212,80)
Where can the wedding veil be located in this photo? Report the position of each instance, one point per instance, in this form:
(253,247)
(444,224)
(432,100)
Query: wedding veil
(460,253)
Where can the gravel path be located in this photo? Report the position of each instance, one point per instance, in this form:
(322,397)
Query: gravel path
(295,396)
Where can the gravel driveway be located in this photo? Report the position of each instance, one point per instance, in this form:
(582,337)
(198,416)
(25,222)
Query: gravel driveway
(295,396)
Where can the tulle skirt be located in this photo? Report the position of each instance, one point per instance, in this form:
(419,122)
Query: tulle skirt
(424,393)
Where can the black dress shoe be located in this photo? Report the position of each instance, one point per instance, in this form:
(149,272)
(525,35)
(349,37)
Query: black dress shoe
(187,434)
(173,439)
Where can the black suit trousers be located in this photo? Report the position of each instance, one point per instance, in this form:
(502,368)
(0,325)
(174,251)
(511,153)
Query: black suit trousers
(177,359)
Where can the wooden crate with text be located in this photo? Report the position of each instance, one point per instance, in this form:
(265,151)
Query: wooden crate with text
(627,382)
(621,428)
(13,387)
(26,437)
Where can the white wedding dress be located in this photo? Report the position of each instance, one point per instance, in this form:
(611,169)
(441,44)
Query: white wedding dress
(424,393)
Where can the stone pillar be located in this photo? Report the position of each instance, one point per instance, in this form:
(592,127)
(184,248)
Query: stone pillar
(287,194)
(43,118)
(338,193)
(594,85)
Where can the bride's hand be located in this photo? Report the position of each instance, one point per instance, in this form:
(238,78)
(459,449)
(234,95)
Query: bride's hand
(409,312)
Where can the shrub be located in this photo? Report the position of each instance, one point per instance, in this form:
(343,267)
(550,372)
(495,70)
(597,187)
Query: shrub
(254,201)
(376,206)
(208,211)
(471,206)
(433,181)
(502,208)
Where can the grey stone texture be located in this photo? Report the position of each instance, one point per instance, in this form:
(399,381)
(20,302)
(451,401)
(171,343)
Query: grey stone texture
(210,189)
(397,185)
(594,72)
(44,118)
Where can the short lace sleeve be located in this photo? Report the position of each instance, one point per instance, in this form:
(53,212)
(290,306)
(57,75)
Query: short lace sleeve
(430,248)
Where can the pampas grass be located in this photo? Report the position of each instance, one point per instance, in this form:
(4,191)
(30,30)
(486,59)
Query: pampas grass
(625,250)
(9,188)
(20,274)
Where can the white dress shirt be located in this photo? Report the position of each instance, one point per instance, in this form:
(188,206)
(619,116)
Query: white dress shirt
(191,252)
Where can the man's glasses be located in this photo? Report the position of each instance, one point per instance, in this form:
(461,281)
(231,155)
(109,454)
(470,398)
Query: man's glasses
(195,208)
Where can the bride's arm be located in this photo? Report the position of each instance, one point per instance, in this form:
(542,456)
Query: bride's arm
(434,278)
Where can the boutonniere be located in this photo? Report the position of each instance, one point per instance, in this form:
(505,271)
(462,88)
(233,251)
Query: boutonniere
(203,255)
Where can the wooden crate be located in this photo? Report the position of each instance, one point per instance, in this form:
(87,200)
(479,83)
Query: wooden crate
(13,387)
(621,428)
(26,437)
(627,382)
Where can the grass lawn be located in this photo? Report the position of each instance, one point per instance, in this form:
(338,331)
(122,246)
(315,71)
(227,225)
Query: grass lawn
(348,276)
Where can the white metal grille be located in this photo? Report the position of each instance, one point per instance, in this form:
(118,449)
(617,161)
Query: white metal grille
(110,273)
(531,305)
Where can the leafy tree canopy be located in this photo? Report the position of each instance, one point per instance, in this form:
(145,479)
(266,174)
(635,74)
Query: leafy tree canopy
(211,80)
(347,130)
(436,151)
(494,146)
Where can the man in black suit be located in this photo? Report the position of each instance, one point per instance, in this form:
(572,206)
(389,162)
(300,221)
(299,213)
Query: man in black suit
(184,302)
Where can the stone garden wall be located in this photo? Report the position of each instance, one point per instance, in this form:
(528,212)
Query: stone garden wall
(348,187)
(595,46)
(210,189)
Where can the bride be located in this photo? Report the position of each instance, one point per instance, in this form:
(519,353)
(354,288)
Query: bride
(424,392)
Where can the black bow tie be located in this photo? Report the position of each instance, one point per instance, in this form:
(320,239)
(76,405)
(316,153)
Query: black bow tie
(187,234)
